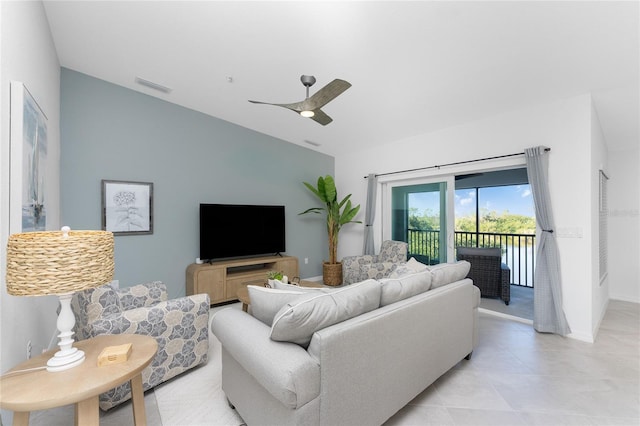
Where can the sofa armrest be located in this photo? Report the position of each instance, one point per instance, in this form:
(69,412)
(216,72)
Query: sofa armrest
(141,295)
(284,369)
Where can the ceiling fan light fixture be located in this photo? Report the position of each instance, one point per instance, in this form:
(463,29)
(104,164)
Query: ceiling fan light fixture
(307,113)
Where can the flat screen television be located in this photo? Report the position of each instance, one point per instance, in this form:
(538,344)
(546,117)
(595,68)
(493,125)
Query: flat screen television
(230,230)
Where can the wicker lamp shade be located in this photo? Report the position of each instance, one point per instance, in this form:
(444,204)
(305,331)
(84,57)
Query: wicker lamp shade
(58,262)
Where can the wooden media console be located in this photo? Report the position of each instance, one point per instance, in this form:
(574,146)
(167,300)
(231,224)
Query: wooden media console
(222,279)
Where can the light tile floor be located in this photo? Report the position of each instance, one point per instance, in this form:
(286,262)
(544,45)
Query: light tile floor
(521,304)
(515,377)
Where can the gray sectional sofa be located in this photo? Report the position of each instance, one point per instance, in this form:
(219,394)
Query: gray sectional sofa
(401,334)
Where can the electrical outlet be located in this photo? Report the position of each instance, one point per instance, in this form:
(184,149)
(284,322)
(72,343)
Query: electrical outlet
(306,260)
(29,349)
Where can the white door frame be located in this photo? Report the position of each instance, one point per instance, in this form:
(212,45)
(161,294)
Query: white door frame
(387,187)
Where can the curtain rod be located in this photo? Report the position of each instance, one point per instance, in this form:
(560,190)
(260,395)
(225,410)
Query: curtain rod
(452,164)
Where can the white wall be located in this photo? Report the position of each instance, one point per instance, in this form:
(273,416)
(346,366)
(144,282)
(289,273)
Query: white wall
(563,125)
(598,162)
(27,54)
(624,225)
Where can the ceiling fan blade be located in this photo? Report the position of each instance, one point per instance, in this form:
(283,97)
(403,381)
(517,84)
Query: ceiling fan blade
(320,117)
(328,93)
(297,106)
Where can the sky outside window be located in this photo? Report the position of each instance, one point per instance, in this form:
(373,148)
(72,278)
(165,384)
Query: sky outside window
(516,199)
(497,201)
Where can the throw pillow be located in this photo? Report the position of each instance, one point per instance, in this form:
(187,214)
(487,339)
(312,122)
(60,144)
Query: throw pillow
(446,273)
(298,320)
(395,289)
(410,267)
(266,302)
(415,265)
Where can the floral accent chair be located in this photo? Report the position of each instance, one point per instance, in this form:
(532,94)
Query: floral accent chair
(360,268)
(180,326)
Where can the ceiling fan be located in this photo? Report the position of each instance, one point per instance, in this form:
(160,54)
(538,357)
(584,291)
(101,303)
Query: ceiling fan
(310,107)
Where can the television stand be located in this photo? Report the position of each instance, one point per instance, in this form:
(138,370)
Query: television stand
(222,279)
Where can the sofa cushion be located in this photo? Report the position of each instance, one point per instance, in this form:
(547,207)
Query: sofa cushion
(445,273)
(266,302)
(395,289)
(298,320)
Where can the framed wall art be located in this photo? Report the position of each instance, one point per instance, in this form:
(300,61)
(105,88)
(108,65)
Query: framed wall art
(28,146)
(127,207)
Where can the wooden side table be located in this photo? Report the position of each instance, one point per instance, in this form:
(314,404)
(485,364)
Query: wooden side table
(81,385)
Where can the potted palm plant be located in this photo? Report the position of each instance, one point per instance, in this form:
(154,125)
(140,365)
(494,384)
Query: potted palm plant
(338,213)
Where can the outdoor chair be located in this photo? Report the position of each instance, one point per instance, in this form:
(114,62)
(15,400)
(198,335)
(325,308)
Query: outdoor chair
(488,273)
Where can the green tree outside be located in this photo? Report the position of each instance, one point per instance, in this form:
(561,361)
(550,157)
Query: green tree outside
(490,221)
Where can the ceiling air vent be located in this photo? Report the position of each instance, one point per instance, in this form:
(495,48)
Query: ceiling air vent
(153,85)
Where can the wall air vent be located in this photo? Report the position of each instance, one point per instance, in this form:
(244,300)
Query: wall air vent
(153,85)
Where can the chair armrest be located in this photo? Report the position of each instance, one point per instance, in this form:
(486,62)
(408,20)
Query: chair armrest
(351,261)
(378,270)
(142,295)
(351,267)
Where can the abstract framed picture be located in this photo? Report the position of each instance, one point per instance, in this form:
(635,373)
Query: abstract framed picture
(28,146)
(127,207)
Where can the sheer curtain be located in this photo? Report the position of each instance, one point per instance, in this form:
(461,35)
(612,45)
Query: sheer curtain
(548,315)
(372,186)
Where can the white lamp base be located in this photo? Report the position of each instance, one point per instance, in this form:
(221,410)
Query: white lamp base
(68,356)
(61,361)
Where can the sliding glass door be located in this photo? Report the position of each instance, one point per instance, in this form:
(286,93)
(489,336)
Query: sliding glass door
(421,214)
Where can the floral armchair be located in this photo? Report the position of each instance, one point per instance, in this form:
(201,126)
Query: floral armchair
(180,326)
(359,268)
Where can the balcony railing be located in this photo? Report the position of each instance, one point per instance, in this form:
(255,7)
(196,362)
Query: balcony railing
(518,250)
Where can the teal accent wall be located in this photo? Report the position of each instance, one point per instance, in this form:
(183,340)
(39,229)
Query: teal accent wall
(110,132)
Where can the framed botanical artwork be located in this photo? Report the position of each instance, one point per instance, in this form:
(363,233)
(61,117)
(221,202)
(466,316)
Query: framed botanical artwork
(127,207)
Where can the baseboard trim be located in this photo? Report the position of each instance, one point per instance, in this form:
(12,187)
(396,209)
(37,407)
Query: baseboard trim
(623,298)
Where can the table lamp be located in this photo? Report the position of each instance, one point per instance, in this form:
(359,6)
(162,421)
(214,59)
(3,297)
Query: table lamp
(59,263)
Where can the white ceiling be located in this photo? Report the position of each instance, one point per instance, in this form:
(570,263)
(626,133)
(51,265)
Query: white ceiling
(415,67)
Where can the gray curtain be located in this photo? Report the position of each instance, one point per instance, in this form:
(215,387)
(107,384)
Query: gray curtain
(548,315)
(372,186)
